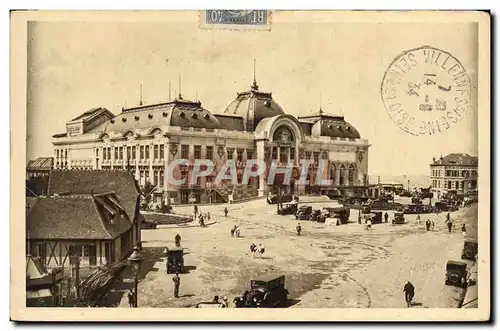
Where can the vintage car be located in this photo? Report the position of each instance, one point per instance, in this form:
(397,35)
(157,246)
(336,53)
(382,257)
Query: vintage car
(148,224)
(175,260)
(376,217)
(288,209)
(341,213)
(399,218)
(317,216)
(443,206)
(416,201)
(470,249)
(268,291)
(456,273)
(303,212)
(284,198)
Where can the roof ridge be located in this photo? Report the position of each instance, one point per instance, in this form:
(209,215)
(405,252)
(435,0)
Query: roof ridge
(100,218)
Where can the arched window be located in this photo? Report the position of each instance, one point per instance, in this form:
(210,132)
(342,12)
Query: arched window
(342,175)
(333,174)
(352,174)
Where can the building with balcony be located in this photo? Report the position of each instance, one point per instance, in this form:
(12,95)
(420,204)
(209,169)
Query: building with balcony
(456,172)
(147,138)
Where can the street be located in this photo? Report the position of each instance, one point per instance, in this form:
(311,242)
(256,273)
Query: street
(327,266)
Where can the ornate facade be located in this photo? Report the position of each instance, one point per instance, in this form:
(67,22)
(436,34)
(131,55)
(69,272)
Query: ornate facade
(147,138)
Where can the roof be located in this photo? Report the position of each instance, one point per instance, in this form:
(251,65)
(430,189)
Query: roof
(91,114)
(121,182)
(463,159)
(230,122)
(34,268)
(254,105)
(460,263)
(77,217)
(41,163)
(183,113)
(268,277)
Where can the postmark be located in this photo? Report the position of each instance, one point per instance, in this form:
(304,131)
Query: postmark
(235,19)
(426,91)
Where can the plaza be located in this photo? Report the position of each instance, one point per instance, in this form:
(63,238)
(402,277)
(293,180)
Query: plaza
(327,266)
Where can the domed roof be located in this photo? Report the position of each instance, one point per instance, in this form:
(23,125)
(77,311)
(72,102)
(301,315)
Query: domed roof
(331,126)
(253,106)
(179,112)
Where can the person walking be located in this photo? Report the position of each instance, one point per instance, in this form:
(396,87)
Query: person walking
(130,296)
(418,219)
(253,249)
(432,225)
(225,211)
(298,228)
(464,230)
(450,225)
(208,216)
(195,210)
(386,217)
(177,240)
(177,283)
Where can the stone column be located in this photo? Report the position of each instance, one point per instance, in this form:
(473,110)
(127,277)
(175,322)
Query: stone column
(346,175)
(261,156)
(137,156)
(113,152)
(337,175)
(150,161)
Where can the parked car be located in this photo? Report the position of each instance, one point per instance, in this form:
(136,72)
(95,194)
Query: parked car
(317,216)
(470,249)
(303,212)
(175,260)
(456,273)
(376,217)
(288,209)
(399,218)
(340,213)
(267,291)
(148,224)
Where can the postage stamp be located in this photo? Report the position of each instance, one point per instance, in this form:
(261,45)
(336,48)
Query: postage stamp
(235,19)
(426,91)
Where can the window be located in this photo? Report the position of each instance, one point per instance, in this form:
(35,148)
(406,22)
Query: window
(162,152)
(104,154)
(133,152)
(239,155)
(155,178)
(66,153)
(197,152)
(121,153)
(129,150)
(449,185)
(210,152)
(142,152)
(274,154)
(57,153)
(109,153)
(292,153)
(116,152)
(108,251)
(42,252)
(184,151)
(87,252)
(162,178)
(230,152)
(155,152)
(249,154)
(283,158)
(308,155)
(147,152)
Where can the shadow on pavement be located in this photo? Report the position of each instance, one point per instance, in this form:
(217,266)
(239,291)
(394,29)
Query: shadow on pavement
(291,302)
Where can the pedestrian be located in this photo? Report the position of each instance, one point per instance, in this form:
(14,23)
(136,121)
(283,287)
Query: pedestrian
(428,225)
(418,219)
(464,230)
(208,216)
(233,230)
(450,225)
(195,210)
(386,217)
(448,217)
(177,240)
(253,249)
(432,225)
(261,250)
(130,296)
(225,211)
(177,283)
(298,228)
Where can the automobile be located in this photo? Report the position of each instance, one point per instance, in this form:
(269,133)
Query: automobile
(456,273)
(148,224)
(288,209)
(175,260)
(284,198)
(399,218)
(317,216)
(443,206)
(470,249)
(376,217)
(341,213)
(416,201)
(303,212)
(268,291)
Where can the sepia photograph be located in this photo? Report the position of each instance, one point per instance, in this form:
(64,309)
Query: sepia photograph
(317,165)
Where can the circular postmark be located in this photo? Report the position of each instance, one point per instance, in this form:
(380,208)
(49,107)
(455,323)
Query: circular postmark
(426,91)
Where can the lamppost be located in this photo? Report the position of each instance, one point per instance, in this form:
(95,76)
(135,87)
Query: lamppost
(135,260)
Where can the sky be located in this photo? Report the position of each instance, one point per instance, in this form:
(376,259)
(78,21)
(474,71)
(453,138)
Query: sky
(304,62)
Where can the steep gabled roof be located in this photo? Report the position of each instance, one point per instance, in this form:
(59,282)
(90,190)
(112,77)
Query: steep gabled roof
(121,182)
(76,217)
(41,163)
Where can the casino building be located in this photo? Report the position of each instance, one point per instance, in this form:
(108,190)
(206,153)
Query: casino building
(146,138)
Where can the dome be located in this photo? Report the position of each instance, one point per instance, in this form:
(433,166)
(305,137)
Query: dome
(331,126)
(179,112)
(253,106)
